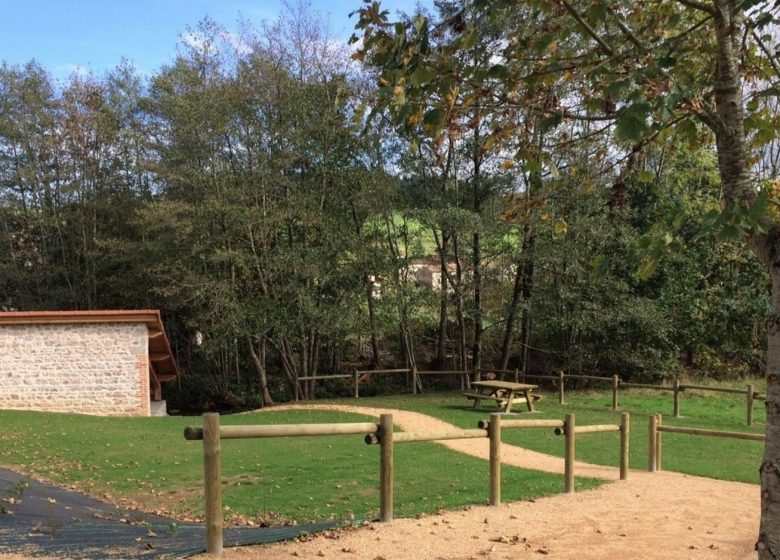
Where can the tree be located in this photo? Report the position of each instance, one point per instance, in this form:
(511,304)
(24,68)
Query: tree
(640,84)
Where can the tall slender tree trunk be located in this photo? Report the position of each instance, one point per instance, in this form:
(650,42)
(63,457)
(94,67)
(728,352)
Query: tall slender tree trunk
(258,360)
(459,313)
(727,122)
(521,293)
(441,356)
(376,360)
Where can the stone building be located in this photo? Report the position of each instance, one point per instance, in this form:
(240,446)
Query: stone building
(108,363)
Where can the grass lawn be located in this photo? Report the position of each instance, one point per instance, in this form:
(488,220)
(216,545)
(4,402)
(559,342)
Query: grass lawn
(146,461)
(726,459)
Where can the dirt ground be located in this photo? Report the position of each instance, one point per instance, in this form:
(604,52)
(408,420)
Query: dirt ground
(651,516)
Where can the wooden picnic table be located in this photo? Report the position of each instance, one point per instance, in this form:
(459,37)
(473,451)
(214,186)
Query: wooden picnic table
(505,394)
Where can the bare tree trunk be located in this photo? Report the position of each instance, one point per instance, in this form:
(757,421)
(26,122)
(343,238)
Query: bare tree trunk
(458,287)
(521,293)
(258,359)
(441,357)
(376,360)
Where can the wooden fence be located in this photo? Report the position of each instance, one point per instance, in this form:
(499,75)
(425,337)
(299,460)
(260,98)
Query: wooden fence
(677,388)
(381,433)
(656,428)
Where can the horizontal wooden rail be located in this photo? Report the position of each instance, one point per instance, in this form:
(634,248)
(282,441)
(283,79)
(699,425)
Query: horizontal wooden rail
(405,437)
(647,386)
(713,433)
(758,397)
(329,376)
(284,430)
(593,429)
(541,376)
(502,371)
(590,377)
(400,370)
(443,372)
(715,389)
(484,424)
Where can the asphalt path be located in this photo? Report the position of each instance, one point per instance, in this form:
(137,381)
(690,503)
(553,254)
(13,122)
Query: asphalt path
(38,519)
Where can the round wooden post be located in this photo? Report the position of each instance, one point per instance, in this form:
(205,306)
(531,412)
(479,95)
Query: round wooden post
(569,426)
(560,387)
(212,477)
(357,389)
(615,384)
(652,433)
(624,433)
(658,440)
(494,432)
(750,405)
(517,375)
(386,467)
(676,398)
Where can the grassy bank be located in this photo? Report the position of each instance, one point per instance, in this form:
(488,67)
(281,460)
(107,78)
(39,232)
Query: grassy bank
(703,456)
(146,461)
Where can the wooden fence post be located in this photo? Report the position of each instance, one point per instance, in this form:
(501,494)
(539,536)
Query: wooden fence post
(652,433)
(658,442)
(494,432)
(615,384)
(676,398)
(560,388)
(357,387)
(750,405)
(569,426)
(212,477)
(517,376)
(386,467)
(624,434)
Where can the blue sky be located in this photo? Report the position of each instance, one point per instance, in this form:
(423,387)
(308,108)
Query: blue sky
(93,35)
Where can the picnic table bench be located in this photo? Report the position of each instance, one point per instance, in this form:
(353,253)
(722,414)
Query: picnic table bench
(504,393)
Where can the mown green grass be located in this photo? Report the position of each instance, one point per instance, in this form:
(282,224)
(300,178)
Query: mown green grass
(725,459)
(147,461)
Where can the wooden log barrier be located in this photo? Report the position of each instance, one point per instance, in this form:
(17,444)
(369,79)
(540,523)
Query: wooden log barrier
(658,442)
(211,433)
(568,468)
(714,389)
(646,386)
(712,433)
(656,429)
(676,398)
(560,388)
(284,430)
(615,387)
(652,431)
(525,424)
(386,467)
(406,437)
(494,431)
(212,477)
(625,425)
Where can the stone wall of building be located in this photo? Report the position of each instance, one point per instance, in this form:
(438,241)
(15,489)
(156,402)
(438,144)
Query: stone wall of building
(96,368)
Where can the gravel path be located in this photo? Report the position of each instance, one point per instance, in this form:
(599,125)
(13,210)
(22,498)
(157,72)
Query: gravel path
(658,516)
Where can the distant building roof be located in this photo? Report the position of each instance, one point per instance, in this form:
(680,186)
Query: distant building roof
(161,361)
